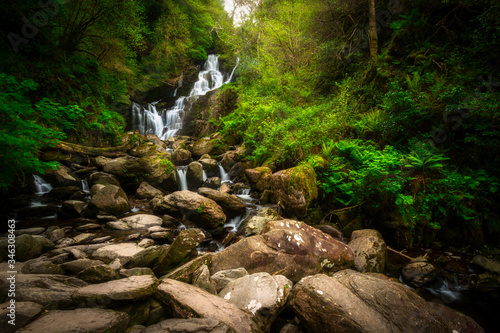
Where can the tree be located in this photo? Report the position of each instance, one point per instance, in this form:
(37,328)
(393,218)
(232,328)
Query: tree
(373,31)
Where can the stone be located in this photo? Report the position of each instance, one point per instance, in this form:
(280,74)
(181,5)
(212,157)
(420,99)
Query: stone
(193,325)
(180,250)
(54,233)
(29,231)
(27,247)
(24,313)
(162,237)
(83,238)
(140,221)
(331,230)
(97,274)
(194,175)
(260,293)
(41,266)
(77,253)
(146,242)
(103,178)
(355,302)
(76,266)
(83,320)
(255,224)
(186,301)
(207,146)
(231,205)
(101,240)
(146,191)
(489,265)
(132,288)
(136,271)
(146,258)
(202,280)
(222,278)
(123,251)
(62,176)
(118,225)
(419,273)
(202,211)
(213,183)
(370,251)
(181,157)
(73,207)
(108,200)
(210,166)
(43,289)
(88,226)
(259,178)
(295,189)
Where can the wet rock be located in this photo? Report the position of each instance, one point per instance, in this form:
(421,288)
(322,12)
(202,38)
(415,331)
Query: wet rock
(101,240)
(487,264)
(202,280)
(27,247)
(259,178)
(146,191)
(194,325)
(83,238)
(213,183)
(54,233)
(76,266)
(222,278)
(103,218)
(419,274)
(140,221)
(136,271)
(146,242)
(43,288)
(194,175)
(330,230)
(108,200)
(62,176)
(180,250)
(208,146)
(181,157)
(80,320)
(123,251)
(354,302)
(97,274)
(146,258)
(103,178)
(210,166)
(370,251)
(186,301)
(260,293)
(62,193)
(132,288)
(118,225)
(88,226)
(231,205)
(295,189)
(193,207)
(24,313)
(29,231)
(41,266)
(162,237)
(255,224)
(169,221)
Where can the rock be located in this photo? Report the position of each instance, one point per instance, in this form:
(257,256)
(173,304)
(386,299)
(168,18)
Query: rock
(77,253)
(123,251)
(286,247)
(260,293)
(169,221)
(419,274)
(194,175)
(162,237)
(132,288)
(370,251)
(136,271)
(295,189)
(27,247)
(146,191)
(487,264)
(83,238)
(181,157)
(354,302)
(62,176)
(146,149)
(207,146)
(43,289)
(24,313)
(101,240)
(186,301)
(255,224)
(140,221)
(184,244)
(96,188)
(79,321)
(193,207)
(62,193)
(61,258)
(97,274)
(76,266)
(213,183)
(103,178)
(41,266)
(105,218)
(193,325)
(109,200)
(259,178)
(146,258)
(29,231)
(156,170)
(88,226)
(202,280)
(330,230)
(231,205)
(54,233)
(100,161)
(210,166)
(138,312)
(146,242)
(222,278)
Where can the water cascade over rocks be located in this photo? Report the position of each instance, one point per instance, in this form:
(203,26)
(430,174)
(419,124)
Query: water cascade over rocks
(166,123)
(41,185)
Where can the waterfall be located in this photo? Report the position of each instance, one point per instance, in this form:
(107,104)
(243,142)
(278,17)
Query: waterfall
(41,185)
(204,175)
(166,123)
(85,186)
(224,177)
(181,173)
(232,72)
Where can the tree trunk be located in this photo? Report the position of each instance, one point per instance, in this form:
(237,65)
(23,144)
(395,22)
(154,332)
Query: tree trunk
(373,31)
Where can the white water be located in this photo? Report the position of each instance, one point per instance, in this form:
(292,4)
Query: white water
(204,175)
(41,185)
(224,177)
(85,186)
(166,123)
(181,173)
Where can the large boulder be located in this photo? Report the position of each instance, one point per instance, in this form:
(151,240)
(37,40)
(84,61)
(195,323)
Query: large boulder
(186,301)
(230,204)
(369,249)
(208,146)
(109,200)
(260,293)
(124,252)
(204,212)
(259,178)
(286,247)
(255,224)
(354,302)
(62,176)
(194,175)
(294,189)
(146,191)
(181,157)
(27,247)
(210,167)
(79,321)
(420,273)
(141,221)
(24,312)
(156,170)
(103,178)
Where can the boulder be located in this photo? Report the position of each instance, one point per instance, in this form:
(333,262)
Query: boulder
(24,313)
(180,250)
(260,293)
(43,289)
(489,265)
(41,266)
(208,146)
(419,273)
(295,189)
(255,224)
(194,175)
(54,233)
(123,251)
(212,182)
(186,301)
(62,176)
(193,207)
(210,166)
(222,278)
(27,247)
(370,251)
(286,247)
(259,178)
(97,274)
(146,149)
(202,279)
(193,325)
(62,193)
(231,205)
(136,271)
(146,258)
(103,178)
(108,200)
(354,302)
(181,157)
(132,288)
(73,207)
(331,230)
(140,221)
(79,321)
(76,266)
(146,191)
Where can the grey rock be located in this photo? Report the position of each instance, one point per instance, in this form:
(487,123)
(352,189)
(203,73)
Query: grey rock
(194,325)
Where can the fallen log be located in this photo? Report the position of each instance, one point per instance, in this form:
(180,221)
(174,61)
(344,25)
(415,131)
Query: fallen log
(76,149)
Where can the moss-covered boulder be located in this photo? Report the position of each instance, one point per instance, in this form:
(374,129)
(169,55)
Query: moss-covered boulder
(294,189)
(208,146)
(109,200)
(259,178)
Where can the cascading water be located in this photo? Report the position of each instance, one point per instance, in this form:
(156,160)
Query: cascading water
(85,185)
(166,123)
(41,185)
(181,174)
(224,177)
